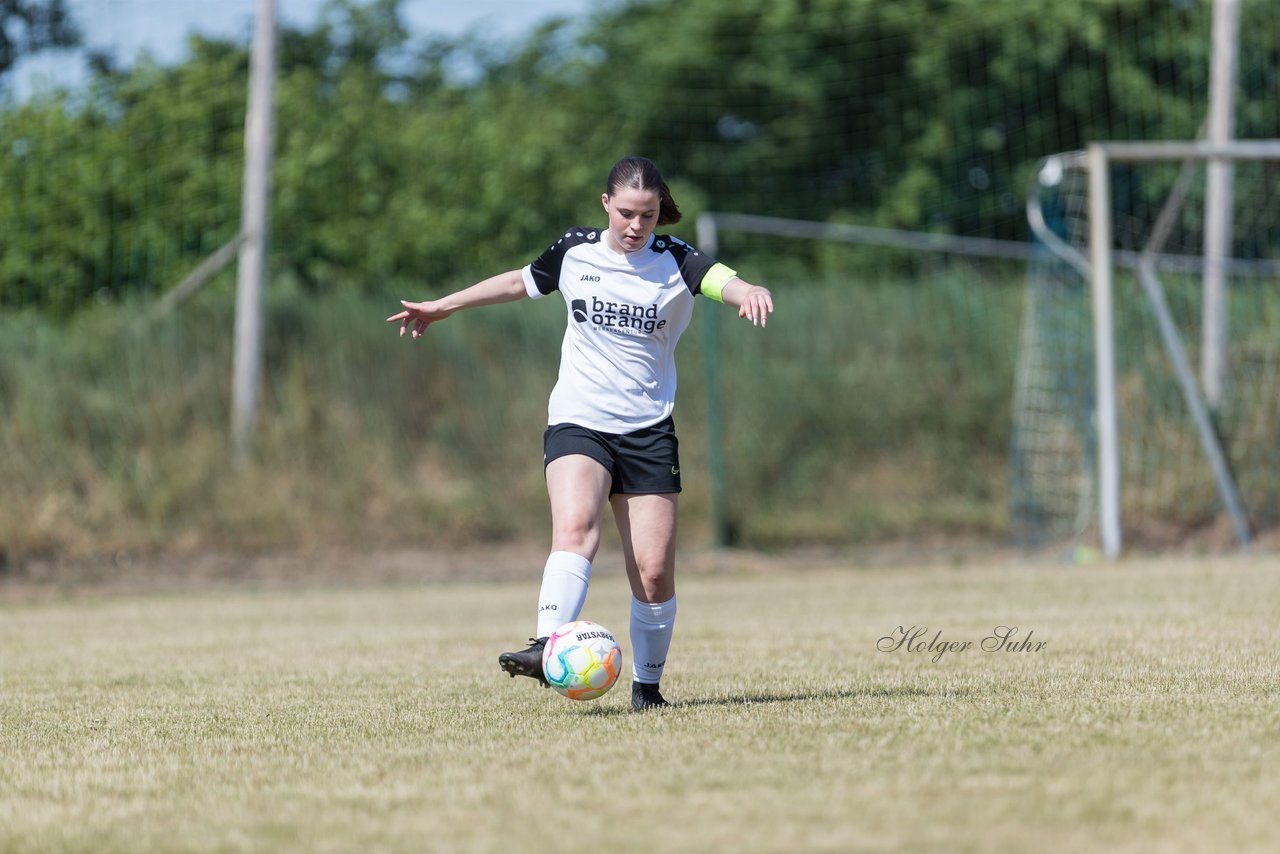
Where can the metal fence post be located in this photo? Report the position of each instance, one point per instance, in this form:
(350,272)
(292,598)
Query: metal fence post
(720,532)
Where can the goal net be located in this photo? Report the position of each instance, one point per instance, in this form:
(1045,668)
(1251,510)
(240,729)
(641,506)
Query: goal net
(1114,436)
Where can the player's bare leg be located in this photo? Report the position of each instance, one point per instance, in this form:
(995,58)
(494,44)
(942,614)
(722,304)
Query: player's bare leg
(577,486)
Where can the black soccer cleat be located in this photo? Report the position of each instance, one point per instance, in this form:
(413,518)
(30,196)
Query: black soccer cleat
(644,696)
(525,663)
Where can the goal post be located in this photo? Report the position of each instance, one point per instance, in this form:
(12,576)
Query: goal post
(1104,351)
(1129,219)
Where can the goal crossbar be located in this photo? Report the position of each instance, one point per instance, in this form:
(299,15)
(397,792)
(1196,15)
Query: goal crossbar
(1131,152)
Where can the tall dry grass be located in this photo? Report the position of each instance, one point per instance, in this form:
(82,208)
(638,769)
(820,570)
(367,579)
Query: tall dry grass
(866,410)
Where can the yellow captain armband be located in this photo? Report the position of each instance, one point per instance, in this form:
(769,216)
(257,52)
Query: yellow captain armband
(714,281)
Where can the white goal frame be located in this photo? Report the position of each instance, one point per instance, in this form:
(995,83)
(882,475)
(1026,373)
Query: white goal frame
(1099,157)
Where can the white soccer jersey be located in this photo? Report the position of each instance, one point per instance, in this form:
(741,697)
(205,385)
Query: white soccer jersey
(626,312)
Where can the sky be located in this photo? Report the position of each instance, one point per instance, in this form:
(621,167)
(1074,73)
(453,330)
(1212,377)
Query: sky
(161,27)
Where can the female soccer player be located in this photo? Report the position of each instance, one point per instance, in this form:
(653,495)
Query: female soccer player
(629,294)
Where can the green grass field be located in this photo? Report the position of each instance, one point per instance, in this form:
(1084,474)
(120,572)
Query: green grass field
(373,717)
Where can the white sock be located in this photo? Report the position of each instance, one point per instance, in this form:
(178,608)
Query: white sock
(651,627)
(564,589)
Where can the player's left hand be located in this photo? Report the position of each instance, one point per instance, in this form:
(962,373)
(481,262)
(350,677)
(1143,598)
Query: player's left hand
(756,306)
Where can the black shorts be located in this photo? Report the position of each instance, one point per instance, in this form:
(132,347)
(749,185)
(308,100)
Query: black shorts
(643,462)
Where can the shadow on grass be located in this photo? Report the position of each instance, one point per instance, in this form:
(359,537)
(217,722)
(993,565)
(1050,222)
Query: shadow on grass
(771,697)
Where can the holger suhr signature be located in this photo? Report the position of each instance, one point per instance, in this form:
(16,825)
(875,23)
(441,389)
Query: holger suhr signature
(917,639)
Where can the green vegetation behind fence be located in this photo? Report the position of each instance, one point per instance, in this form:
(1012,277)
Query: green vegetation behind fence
(866,410)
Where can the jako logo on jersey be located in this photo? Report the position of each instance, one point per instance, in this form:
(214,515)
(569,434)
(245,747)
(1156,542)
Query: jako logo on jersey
(587,277)
(618,315)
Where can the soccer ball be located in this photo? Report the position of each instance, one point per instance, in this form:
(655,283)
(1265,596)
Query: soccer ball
(581,660)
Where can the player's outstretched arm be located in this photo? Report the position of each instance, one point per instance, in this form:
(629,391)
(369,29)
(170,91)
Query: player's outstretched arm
(752,301)
(504,287)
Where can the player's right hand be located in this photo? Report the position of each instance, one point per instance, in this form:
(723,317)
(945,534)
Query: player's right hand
(419,314)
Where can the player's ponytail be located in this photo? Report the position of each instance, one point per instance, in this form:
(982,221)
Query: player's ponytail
(640,173)
(668,210)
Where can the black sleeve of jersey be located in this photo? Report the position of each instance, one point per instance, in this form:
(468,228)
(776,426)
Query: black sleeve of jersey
(693,264)
(546,270)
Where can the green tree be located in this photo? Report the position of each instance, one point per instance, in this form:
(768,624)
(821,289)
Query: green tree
(125,186)
(922,114)
(412,177)
(30,26)
(421,165)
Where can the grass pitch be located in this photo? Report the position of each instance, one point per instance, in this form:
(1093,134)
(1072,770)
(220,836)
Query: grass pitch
(375,718)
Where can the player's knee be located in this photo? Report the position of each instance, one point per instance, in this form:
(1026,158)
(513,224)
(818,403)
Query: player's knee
(657,576)
(580,535)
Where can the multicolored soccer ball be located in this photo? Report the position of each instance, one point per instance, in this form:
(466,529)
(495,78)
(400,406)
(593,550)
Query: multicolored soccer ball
(581,660)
